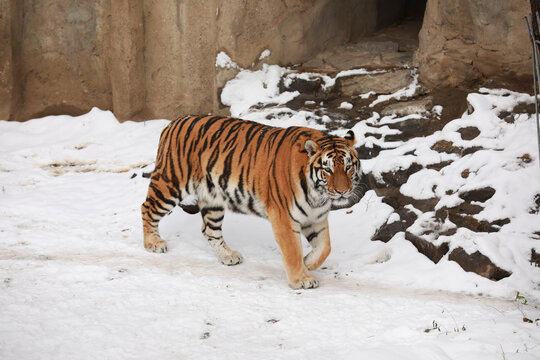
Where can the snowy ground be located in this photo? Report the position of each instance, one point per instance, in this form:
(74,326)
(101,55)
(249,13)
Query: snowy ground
(76,282)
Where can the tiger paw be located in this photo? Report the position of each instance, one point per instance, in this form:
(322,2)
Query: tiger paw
(308,282)
(233,258)
(157,246)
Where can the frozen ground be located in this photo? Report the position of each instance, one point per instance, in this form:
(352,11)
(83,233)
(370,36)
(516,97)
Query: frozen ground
(76,282)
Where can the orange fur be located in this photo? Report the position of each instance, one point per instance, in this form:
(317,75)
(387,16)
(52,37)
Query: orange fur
(290,176)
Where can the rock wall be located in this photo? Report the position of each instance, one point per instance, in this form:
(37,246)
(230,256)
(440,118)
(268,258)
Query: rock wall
(153,58)
(463,42)
(146,59)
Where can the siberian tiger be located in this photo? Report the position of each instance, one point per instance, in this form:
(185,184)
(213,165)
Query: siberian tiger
(293,177)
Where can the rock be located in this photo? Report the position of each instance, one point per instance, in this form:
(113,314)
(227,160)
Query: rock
(446,147)
(388,230)
(524,108)
(316,63)
(463,42)
(535,209)
(303,86)
(535,258)
(469,132)
(352,60)
(478,263)
(525,158)
(366,54)
(365,152)
(439,166)
(480,195)
(449,148)
(395,199)
(399,177)
(414,128)
(420,106)
(466,208)
(384,83)
(375,47)
(148,60)
(434,253)
(473,224)
(471,150)
(376,136)
(396,59)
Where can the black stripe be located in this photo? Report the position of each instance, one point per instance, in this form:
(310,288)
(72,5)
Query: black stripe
(213,159)
(313,235)
(248,138)
(215,228)
(216,220)
(209,183)
(251,206)
(224,177)
(292,217)
(299,207)
(161,197)
(303,182)
(241,181)
(206,210)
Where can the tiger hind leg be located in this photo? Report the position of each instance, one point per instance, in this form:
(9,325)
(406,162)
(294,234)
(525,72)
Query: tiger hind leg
(159,202)
(211,229)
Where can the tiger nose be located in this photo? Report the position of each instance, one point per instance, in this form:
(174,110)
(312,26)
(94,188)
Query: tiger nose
(341,191)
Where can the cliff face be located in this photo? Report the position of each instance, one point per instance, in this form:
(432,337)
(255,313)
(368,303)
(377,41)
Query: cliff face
(463,42)
(146,59)
(152,59)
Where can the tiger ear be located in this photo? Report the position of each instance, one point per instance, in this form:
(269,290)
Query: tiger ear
(311,147)
(350,138)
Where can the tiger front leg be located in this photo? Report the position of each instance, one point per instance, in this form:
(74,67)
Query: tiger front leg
(287,235)
(318,237)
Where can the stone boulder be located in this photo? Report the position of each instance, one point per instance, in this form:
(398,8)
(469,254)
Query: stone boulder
(478,263)
(405,108)
(384,83)
(463,42)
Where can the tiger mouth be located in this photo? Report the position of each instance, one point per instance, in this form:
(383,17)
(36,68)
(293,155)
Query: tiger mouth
(338,196)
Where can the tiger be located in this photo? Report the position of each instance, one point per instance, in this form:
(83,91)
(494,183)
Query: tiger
(291,176)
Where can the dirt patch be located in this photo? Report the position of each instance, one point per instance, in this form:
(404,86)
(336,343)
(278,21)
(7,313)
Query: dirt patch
(58,168)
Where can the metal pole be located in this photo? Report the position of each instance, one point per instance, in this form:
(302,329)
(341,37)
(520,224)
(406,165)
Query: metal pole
(537,67)
(535,77)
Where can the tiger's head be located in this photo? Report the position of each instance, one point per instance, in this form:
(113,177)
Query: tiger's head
(334,168)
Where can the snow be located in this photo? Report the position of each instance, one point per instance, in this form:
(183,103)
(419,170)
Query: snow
(266,53)
(263,88)
(76,282)
(346,105)
(225,62)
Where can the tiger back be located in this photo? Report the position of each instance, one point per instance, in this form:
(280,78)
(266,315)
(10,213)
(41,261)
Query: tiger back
(290,176)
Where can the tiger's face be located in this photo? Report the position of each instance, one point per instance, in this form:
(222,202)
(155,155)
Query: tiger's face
(334,168)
